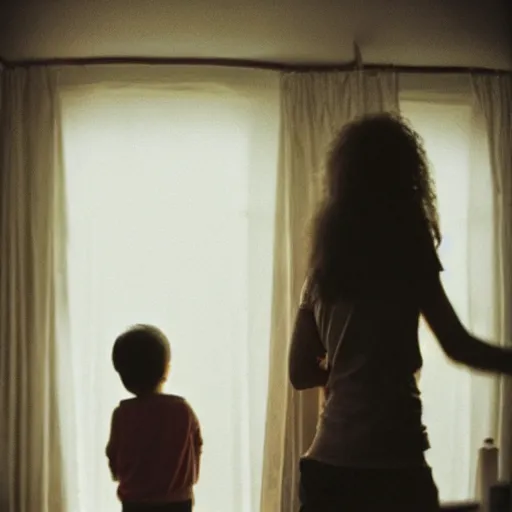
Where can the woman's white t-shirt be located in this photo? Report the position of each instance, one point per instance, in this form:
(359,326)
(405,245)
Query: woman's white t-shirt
(373,414)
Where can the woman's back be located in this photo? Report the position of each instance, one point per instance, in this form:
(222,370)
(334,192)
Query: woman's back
(372,417)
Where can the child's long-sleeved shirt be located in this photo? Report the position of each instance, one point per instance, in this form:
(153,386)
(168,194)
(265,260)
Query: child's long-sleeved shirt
(154,449)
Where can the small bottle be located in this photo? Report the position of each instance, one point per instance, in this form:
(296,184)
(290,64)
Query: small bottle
(487,472)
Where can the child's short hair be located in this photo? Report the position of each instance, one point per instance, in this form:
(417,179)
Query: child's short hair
(141,356)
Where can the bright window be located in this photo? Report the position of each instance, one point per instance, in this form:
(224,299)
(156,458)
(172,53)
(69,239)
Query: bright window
(458,404)
(170,199)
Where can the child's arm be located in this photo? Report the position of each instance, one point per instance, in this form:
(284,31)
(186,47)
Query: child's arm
(197,440)
(111,450)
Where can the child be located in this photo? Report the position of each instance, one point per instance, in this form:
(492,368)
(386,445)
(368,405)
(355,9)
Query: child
(155,440)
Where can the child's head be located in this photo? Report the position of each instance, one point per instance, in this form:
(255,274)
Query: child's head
(142,356)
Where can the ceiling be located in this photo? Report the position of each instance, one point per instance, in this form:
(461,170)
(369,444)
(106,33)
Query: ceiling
(402,32)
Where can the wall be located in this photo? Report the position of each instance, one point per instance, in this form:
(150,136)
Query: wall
(414,32)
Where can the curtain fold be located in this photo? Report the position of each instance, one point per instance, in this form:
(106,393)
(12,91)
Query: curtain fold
(314,106)
(30,470)
(493,95)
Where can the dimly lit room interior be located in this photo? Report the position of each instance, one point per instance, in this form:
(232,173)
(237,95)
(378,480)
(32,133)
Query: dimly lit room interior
(160,163)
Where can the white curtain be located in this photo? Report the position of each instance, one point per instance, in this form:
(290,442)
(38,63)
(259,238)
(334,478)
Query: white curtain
(30,460)
(459,406)
(170,183)
(314,106)
(493,101)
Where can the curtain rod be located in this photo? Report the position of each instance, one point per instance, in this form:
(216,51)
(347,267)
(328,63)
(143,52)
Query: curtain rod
(251,64)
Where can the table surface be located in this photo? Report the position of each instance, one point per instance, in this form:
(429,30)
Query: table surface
(460,506)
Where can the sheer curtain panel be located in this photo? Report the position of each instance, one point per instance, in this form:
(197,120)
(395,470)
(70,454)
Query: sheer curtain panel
(30,216)
(493,100)
(314,106)
(458,404)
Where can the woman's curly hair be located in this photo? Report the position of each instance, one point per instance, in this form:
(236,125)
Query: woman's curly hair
(379,196)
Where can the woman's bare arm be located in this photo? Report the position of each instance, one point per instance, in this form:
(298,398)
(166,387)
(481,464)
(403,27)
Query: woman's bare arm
(305,352)
(455,340)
